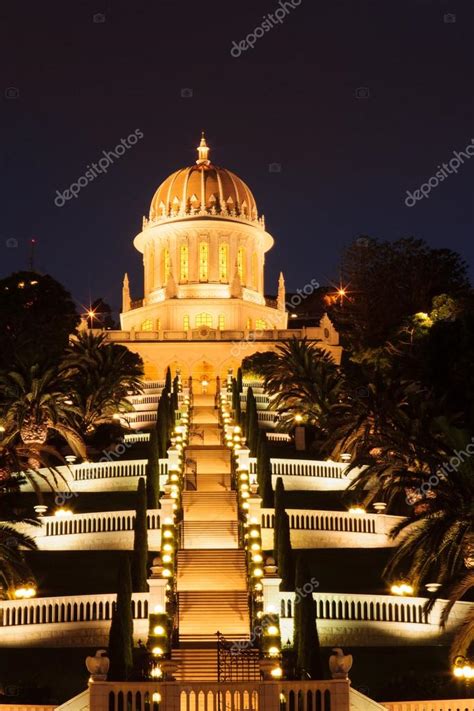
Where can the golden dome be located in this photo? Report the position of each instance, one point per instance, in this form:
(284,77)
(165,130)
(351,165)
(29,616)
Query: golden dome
(203,189)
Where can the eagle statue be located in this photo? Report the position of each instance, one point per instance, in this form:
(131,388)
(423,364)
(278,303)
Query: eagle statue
(98,666)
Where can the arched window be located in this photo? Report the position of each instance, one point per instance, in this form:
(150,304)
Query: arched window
(221,324)
(203,261)
(158,324)
(147,325)
(184,263)
(254,270)
(260,324)
(186,323)
(241,263)
(223,262)
(203,320)
(165,263)
(248,325)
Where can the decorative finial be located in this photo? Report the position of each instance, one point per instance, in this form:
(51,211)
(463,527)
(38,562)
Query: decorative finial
(203,151)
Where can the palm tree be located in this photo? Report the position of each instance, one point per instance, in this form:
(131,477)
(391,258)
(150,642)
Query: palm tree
(102,376)
(14,570)
(436,543)
(34,402)
(303,380)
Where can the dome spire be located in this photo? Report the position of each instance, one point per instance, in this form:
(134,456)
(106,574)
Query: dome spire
(203,152)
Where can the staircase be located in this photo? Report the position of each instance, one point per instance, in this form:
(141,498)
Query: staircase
(211,571)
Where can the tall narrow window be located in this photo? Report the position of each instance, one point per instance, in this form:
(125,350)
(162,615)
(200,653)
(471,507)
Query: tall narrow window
(241,263)
(248,324)
(221,325)
(158,324)
(165,264)
(254,270)
(186,323)
(223,261)
(203,261)
(184,262)
(203,320)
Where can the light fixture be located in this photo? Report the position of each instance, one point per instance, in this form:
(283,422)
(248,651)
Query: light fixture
(62,513)
(159,630)
(156,697)
(277,673)
(274,651)
(357,510)
(401,589)
(258,572)
(463,668)
(298,418)
(272,630)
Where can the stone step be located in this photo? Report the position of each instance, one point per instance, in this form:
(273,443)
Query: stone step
(210,534)
(211,570)
(210,506)
(203,614)
(196,663)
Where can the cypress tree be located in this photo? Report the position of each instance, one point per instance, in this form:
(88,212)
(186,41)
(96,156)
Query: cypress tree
(286,564)
(121,629)
(163,423)
(264,470)
(153,471)
(306,639)
(252,422)
(168,381)
(140,541)
(236,401)
(279,503)
(240,381)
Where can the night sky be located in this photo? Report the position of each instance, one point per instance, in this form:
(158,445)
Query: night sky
(356,102)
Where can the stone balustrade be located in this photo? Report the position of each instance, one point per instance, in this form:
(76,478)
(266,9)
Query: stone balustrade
(335,694)
(308,474)
(68,608)
(104,530)
(107,470)
(134,437)
(439,705)
(278,437)
(330,529)
(374,620)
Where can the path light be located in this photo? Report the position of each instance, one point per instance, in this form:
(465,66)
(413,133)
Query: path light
(298,418)
(462,668)
(159,630)
(401,588)
(25,592)
(62,513)
(277,672)
(272,630)
(357,510)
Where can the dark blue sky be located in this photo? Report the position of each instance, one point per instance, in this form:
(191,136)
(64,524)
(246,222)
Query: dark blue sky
(346,162)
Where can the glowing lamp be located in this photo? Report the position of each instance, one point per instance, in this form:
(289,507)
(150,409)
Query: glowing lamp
(272,630)
(159,630)
(277,673)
